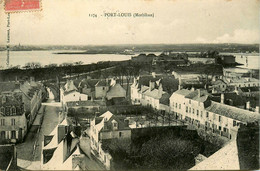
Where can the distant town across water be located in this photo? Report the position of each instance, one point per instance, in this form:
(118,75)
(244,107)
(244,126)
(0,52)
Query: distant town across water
(51,56)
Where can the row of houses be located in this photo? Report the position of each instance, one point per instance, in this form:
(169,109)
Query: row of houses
(19,104)
(211,112)
(90,94)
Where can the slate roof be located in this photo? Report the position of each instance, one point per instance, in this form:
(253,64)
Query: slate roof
(165,99)
(11,100)
(120,122)
(143,89)
(154,94)
(183,92)
(116,91)
(233,112)
(8,86)
(102,83)
(169,84)
(236,99)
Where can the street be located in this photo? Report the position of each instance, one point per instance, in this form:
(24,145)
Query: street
(29,159)
(25,150)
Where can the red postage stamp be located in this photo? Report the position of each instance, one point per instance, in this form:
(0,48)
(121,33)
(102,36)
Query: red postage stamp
(22,5)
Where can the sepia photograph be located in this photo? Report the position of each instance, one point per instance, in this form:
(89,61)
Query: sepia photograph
(129,84)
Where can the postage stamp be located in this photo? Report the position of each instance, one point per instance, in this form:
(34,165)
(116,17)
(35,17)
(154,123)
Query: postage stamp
(22,5)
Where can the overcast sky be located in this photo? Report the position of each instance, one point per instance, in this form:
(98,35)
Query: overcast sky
(67,22)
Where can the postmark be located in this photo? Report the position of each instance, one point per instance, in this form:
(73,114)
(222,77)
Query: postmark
(22,5)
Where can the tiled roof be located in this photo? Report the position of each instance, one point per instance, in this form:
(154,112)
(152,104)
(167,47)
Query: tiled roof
(233,112)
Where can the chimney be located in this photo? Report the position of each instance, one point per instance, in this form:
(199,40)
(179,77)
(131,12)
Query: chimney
(3,99)
(153,74)
(214,78)
(199,94)
(17,85)
(222,98)
(248,105)
(31,79)
(180,81)
(151,85)
(105,125)
(192,88)
(160,90)
(62,131)
(213,90)
(126,122)
(257,109)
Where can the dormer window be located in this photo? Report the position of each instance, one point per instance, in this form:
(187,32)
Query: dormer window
(13,110)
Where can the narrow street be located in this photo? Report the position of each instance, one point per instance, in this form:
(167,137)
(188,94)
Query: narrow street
(27,158)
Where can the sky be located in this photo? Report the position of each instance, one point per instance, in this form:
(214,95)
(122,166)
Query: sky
(67,22)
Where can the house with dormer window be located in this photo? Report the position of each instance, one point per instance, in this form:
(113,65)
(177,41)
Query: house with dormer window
(106,127)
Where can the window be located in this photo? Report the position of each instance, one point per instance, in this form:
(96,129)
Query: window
(189,101)
(12,121)
(13,135)
(219,118)
(103,88)
(190,110)
(115,124)
(2,123)
(176,105)
(120,134)
(3,135)
(197,112)
(234,123)
(225,129)
(193,111)
(179,106)
(219,128)
(201,114)
(187,108)
(207,114)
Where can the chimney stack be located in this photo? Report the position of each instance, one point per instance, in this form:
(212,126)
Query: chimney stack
(257,109)
(199,94)
(248,105)
(151,85)
(222,98)
(192,88)
(214,78)
(160,90)
(153,74)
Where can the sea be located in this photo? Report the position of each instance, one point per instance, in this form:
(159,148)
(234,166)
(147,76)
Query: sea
(249,60)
